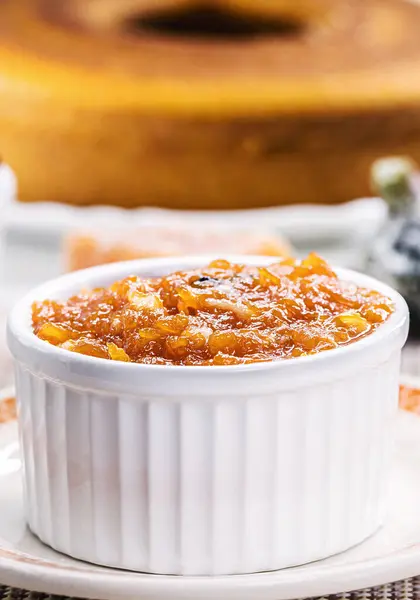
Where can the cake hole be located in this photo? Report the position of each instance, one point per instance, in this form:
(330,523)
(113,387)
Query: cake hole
(211,23)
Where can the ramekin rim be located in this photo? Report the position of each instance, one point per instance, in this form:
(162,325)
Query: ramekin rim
(23,332)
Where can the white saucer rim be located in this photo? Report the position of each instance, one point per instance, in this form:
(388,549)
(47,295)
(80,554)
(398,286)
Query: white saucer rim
(321,581)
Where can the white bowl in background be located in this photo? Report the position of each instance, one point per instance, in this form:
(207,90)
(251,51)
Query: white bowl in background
(204,470)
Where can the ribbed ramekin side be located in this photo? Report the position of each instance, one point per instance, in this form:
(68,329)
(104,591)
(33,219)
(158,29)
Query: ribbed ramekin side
(207,486)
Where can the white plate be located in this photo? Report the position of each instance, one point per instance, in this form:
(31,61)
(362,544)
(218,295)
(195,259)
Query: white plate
(32,233)
(392,554)
(301,223)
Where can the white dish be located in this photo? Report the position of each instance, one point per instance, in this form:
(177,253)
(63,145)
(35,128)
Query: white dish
(33,233)
(299,222)
(204,470)
(392,554)
(307,223)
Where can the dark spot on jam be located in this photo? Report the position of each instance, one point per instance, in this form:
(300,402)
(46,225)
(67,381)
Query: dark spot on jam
(205,280)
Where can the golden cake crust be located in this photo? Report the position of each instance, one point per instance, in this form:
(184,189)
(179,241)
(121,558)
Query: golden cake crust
(93,112)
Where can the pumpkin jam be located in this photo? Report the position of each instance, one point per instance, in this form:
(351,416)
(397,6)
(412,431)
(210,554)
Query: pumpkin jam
(221,314)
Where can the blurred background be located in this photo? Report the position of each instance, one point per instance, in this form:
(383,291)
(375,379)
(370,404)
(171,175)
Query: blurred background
(133,128)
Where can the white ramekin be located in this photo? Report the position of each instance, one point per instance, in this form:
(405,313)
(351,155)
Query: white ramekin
(204,470)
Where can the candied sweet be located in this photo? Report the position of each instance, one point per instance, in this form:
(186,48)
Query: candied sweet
(410,398)
(97,247)
(7,410)
(221,314)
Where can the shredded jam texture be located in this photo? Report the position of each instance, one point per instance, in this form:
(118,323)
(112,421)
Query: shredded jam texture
(222,314)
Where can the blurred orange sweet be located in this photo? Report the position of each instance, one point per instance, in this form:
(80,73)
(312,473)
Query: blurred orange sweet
(7,410)
(410,399)
(83,250)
